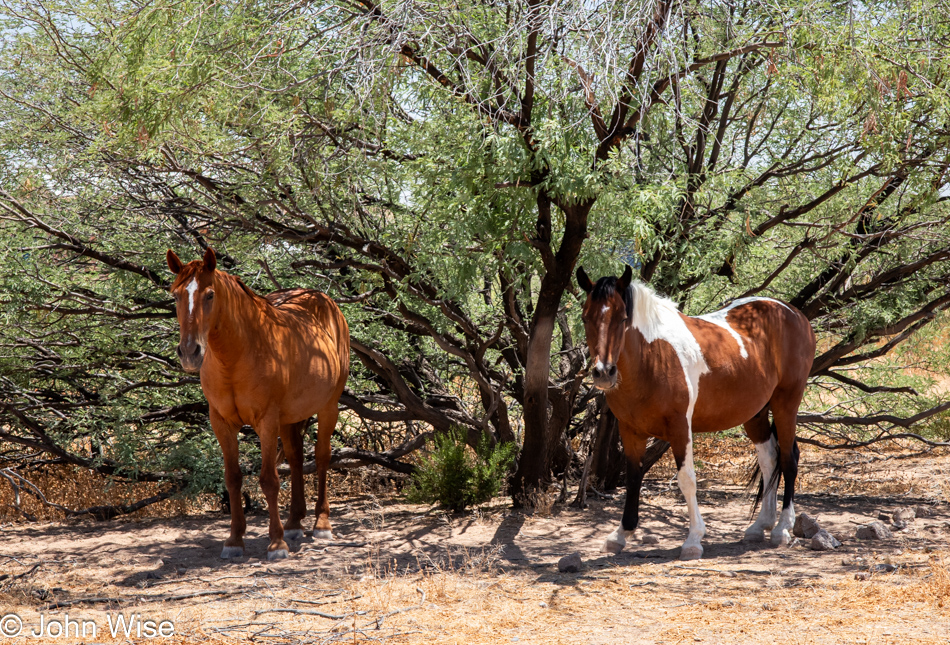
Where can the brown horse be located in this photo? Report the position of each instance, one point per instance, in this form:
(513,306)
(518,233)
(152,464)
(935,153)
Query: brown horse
(669,376)
(270,363)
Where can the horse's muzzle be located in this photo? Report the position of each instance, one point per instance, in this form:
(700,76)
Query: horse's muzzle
(191,357)
(604,376)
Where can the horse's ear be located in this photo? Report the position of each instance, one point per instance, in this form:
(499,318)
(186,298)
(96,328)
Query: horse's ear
(173,262)
(625,279)
(583,281)
(209,259)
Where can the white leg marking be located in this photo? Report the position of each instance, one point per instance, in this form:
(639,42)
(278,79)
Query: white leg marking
(692,547)
(765,452)
(617,540)
(191,289)
(229,552)
(323,535)
(782,533)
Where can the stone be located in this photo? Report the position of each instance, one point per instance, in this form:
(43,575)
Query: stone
(650,539)
(923,511)
(873,531)
(862,576)
(905,515)
(824,541)
(884,568)
(884,517)
(570,563)
(805,526)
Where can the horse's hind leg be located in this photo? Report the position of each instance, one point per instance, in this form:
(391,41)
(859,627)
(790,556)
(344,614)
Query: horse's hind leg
(326,423)
(785,416)
(291,436)
(758,430)
(268,430)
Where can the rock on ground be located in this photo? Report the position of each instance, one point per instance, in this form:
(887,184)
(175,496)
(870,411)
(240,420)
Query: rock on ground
(824,541)
(570,563)
(650,539)
(873,531)
(905,515)
(806,526)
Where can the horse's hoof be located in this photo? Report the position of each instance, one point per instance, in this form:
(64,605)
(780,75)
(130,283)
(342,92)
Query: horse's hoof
(691,553)
(753,536)
(612,547)
(781,538)
(322,534)
(293,534)
(229,552)
(277,554)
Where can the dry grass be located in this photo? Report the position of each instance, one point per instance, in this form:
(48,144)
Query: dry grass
(78,488)
(663,603)
(475,596)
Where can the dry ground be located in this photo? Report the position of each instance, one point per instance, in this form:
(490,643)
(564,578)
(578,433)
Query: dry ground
(410,574)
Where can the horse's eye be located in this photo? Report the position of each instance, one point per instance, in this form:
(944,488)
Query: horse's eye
(209,296)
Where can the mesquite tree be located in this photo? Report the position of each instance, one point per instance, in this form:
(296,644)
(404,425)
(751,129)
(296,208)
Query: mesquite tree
(440,170)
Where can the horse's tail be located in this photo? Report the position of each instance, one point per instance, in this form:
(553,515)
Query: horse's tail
(756,476)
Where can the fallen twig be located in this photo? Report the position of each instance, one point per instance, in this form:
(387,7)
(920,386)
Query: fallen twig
(308,612)
(7,576)
(83,601)
(379,619)
(162,598)
(323,602)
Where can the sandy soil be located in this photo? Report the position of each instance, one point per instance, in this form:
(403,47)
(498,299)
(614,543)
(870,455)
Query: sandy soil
(404,573)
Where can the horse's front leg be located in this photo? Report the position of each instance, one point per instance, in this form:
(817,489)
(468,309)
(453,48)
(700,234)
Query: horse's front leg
(227,436)
(634,447)
(686,475)
(268,430)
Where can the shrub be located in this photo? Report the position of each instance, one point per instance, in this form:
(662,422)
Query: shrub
(456,476)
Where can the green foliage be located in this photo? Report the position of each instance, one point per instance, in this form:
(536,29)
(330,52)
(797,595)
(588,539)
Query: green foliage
(291,135)
(456,476)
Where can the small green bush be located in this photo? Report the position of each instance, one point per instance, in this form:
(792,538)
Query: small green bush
(455,476)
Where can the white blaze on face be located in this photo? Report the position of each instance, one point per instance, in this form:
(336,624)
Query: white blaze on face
(191,289)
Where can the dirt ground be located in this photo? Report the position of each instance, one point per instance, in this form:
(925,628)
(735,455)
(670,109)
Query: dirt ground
(411,574)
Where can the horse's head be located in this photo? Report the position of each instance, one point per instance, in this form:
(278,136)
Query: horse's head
(193,291)
(607,312)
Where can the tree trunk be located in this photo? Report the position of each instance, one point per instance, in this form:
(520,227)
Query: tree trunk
(540,436)
(609,461)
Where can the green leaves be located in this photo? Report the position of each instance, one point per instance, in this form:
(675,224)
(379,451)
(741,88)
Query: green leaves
(457,477)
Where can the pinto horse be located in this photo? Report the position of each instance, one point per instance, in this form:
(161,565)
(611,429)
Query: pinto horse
(270,363)
(667,375)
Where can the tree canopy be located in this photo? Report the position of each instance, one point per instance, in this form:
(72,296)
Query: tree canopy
(441,170)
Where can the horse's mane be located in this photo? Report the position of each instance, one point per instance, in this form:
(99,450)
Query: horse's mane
(644,307)
(236,281)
